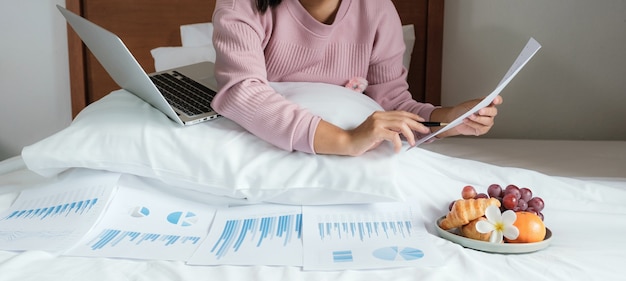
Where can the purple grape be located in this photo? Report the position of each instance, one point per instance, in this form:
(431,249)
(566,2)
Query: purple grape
(509,201)
(526,193)
(522,205)
(512,189)
(536,203)
(450,206)
(494,190)
(468,192)
(481,195)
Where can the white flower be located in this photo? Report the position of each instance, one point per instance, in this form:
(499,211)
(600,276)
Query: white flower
(500,223)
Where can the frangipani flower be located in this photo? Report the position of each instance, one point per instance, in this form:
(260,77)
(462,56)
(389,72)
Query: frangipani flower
(500,223)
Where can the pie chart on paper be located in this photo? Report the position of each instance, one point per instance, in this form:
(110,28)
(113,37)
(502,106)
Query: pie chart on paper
(396,253)
(182,218)
(140,212)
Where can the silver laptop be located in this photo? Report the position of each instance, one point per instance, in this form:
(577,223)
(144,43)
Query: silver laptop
(184,94)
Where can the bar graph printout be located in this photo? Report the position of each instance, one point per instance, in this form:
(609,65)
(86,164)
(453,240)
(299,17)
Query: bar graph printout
(143,223)
(253,235)
(55,216)
(380,235)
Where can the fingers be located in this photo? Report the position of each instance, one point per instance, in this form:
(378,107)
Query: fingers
(497,101)
(491,110)
(486,115)
(482,121)
(395,139)
(400,122)
(388,126)
(478,125)
(487,112)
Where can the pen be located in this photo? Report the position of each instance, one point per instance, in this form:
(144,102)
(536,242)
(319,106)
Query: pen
(434,124)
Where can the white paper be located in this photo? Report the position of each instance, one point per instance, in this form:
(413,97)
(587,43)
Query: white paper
(55,216)
(147,224)
(381,235)
(526,54)
(263,234)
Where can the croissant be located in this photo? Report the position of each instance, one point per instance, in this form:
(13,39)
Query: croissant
(465,210)
(469,230)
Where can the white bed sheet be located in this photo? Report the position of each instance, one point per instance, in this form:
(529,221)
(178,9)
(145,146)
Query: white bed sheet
(565,158)
(587,218)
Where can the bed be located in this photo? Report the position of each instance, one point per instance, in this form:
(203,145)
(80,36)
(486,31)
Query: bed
(582,182)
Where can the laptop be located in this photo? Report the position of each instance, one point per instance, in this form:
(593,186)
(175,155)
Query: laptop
(184,94)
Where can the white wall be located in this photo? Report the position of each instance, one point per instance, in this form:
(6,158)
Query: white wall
(34,79)
(574,88)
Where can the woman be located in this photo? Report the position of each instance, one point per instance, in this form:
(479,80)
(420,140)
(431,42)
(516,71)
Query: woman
(328,41)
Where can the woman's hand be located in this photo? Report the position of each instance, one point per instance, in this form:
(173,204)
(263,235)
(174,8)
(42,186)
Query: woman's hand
(476,124)
(378,127)
(391,125)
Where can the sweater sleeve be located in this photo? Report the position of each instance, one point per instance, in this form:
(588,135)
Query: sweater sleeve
(387,75)
(244,94)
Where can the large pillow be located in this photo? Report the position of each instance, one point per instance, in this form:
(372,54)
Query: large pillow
(408,32)
(171,57)
(197,46)
(122,133)
(197,34)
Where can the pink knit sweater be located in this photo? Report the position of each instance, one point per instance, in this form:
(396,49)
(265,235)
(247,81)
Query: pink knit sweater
(288,44)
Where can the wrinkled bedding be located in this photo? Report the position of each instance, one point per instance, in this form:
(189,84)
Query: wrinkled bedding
(586,215)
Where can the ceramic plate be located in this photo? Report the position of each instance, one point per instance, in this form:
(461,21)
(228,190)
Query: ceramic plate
(504,248)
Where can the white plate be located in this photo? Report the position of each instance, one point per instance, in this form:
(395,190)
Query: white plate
(504,248)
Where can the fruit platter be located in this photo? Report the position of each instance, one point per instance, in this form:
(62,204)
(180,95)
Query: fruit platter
(500,220)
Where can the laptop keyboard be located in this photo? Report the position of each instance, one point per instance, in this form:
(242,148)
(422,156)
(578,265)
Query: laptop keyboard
(184,93)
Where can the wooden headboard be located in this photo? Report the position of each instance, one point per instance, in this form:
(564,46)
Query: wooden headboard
(147,24)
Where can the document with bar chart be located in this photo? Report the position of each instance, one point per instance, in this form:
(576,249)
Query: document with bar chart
(380,235)
(147,224)
(54,217)
(253,235)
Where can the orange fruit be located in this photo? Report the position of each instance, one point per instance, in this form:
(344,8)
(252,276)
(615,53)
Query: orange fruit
(530,226)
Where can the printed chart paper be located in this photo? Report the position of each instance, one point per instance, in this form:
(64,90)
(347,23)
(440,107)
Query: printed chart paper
(526,54)
(95,215)
(147,224)
(253,235)
(380,235)
(54,217)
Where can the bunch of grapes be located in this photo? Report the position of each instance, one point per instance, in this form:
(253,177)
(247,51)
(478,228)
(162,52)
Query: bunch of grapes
(511,198)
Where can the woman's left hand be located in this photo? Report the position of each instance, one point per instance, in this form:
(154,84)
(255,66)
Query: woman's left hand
(476,124)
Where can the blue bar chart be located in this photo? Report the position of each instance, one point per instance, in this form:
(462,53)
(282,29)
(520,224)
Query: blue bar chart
(54,217)
(285,228)
(148,225)
(79,207)
(119,238)
(240,235)
(363,230)
(364,236)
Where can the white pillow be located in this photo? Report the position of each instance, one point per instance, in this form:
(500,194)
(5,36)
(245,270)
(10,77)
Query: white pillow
(196,35)
(200,35)
(121,133)
(171,57)
(408,32)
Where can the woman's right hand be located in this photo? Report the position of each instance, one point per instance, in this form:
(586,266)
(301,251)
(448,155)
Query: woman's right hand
(380,126)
